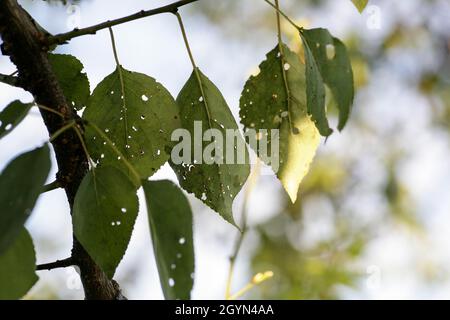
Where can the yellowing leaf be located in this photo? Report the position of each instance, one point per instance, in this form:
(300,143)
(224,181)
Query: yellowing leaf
(266,104)
(360,4)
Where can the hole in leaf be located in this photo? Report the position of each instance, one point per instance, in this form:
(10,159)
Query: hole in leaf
(331,51)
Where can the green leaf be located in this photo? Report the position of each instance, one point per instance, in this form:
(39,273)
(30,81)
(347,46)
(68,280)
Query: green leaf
(74,82)
(265,104)
(104,212)
(328,56)
(17,267)
(21,183)
(140,124)
(12,115)
(211,178)
(315,94)
(360,4)
(170,218)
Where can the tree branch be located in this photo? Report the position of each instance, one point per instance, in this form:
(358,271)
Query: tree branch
(51,186)
(57,264)
(10,80)
(64,37)
(240,239)
(22,41)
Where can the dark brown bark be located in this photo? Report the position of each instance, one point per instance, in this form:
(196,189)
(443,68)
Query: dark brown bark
(22,42)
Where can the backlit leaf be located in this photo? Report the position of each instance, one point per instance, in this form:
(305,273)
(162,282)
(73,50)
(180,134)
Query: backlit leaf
(17,267)
(208,175)
(104,212)
(360,4)
(327,59)
(21,183)
(12,115)
(264,106)
(138,118)
(170,218)
(74,82)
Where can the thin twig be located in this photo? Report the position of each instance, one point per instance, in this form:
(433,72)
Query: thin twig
(62,130)
(237,248)
(256,280)
(57,264)
(284,15)
(186,42)
(122,84)
(9,80)
(283,64)
(83,145)
(64,37)
(40,106)
(51,186)
(197,73)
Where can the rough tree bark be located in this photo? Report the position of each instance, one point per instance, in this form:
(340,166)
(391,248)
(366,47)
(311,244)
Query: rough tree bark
(24,42)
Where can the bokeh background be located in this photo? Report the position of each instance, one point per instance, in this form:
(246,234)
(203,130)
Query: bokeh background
(373,216)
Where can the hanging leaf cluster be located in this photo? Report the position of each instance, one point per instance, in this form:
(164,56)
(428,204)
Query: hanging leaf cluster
(130,121)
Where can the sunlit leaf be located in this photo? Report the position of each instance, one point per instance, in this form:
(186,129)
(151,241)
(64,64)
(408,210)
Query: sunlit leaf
(104,213)
(208,175)
(360,4)
(17,267)
(21,184)
(74,82)
(170,218)
(264,106)
(139,120)
(328,56)
(12,115)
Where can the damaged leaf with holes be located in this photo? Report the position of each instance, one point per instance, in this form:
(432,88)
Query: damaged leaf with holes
(104,213)
(170,218)
(12,115)
(212,172)
(138,115)
(17,267)
(21,183)
(73,81)
(274,114)
(327,63)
